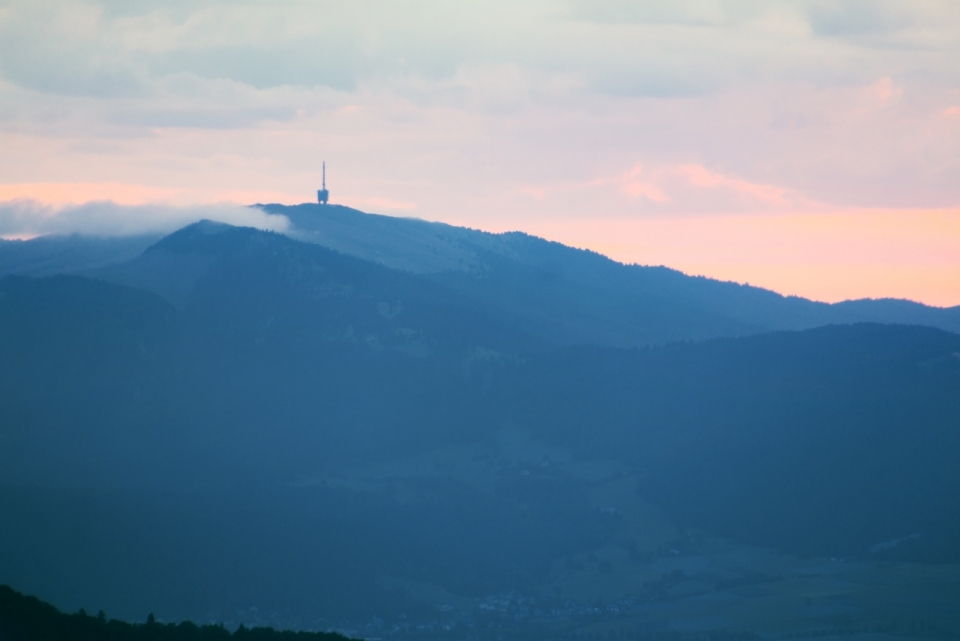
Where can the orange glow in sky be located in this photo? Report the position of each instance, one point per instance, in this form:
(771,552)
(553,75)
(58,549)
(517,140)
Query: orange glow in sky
(823,256)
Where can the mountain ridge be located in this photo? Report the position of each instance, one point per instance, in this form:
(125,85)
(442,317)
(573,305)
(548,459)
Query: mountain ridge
(561,294)
(598,292)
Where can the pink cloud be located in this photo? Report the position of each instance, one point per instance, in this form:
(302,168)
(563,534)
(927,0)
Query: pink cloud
(884,90)
(700,176)
(683,187)
(634,185)
(534,191)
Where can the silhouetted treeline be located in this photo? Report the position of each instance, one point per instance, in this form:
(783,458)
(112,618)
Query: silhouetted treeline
(26,618)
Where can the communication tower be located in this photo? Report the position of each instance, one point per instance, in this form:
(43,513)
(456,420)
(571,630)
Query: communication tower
(322,194)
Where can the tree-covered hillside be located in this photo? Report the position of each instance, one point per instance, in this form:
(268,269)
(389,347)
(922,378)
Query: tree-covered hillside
(290,428)
(826,441)
(571,296)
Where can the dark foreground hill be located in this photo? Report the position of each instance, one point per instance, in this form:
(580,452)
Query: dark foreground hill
(24,618)
(291,434)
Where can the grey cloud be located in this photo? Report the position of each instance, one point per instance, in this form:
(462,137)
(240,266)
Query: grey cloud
(653,84)
(202,117)
(111,50)
(29,218)
(176,9)
(322,64)
(856,17)
(44,48)
(66,76)
(680,12)
(618,47)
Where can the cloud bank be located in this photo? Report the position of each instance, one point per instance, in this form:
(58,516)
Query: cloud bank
(26,218)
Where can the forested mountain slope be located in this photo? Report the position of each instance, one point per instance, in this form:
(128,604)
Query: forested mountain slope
(330,429)
(572,296)
(50,255)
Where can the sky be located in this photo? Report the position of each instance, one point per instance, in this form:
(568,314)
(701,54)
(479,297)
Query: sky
(811,147)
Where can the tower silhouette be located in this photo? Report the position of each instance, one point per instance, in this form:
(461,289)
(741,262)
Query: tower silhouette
(322,194)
